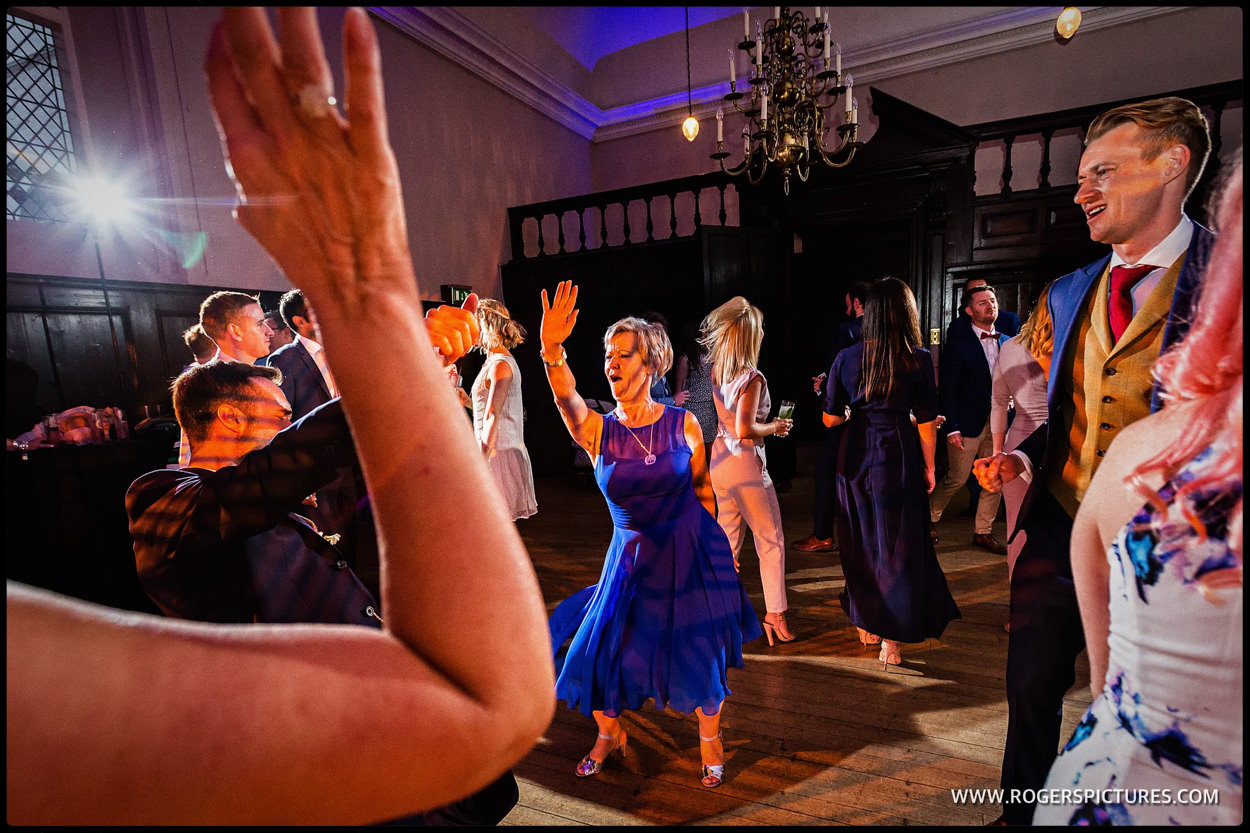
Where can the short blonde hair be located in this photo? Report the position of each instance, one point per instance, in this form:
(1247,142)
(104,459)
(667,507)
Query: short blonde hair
(498,328)
(1167,121)
(732,334)
(657,350)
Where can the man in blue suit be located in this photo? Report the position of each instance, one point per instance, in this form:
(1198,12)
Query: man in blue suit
(1111,321)
(965,381)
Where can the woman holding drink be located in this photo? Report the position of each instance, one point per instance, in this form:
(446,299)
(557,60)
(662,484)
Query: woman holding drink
(732,334)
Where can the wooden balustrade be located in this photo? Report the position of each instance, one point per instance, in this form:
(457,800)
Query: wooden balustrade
(530,226)
(572,221)
(1214,99)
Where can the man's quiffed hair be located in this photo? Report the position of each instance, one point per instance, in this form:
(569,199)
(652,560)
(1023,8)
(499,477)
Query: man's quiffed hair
(1168,121)
(291,304)
(201,389)
(220,309)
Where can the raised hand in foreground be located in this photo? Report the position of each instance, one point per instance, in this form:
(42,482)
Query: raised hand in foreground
(307,724)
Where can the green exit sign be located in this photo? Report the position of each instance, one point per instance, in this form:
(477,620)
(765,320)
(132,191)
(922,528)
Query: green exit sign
(455,294)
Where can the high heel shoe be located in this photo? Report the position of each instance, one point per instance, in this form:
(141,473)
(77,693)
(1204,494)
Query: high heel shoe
(713,774)
(589,766)
(775,623)
(867,638)
(889,654)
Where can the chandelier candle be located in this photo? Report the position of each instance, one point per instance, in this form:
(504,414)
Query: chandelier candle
(793,90)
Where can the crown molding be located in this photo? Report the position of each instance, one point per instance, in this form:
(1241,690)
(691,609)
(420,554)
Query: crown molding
(455,37)
(459,40)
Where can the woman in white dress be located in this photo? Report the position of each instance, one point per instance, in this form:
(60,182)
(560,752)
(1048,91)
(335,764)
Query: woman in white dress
(1020,383)
(498,414)
(732,334)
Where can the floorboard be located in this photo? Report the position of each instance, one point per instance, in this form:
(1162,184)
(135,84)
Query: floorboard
(816,732)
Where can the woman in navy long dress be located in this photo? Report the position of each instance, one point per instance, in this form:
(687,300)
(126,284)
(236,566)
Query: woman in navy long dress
(895,589)
(668,616)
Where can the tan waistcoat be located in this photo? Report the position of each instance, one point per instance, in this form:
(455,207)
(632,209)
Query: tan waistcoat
(1106,386)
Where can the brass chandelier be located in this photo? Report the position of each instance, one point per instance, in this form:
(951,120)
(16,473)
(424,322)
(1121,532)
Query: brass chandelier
(793,86)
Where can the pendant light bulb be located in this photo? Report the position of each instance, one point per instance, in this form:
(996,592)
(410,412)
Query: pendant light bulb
(1069,20)
(690,128)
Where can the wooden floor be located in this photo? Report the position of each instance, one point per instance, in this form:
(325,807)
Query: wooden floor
(815,731)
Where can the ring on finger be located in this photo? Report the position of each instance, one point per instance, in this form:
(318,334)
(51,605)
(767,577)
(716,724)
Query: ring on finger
(313,102)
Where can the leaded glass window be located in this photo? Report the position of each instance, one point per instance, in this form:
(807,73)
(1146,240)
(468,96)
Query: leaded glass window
(40,145)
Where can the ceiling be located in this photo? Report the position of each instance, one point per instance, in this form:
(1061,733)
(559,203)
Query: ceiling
(608,71)
(589,33)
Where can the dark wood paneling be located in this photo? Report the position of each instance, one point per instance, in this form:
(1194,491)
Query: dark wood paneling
(1039,227)
(65,518)
(59,327)
(670,277)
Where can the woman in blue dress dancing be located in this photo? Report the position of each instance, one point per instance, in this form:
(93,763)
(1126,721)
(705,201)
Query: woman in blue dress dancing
(669,615)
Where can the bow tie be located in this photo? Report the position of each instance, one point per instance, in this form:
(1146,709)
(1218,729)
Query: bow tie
(989,335)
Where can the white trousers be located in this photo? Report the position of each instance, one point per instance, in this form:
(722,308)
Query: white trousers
(745,497)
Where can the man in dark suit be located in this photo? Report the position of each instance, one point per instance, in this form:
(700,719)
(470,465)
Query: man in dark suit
(221,540)
(308,384)
(1007,323)
(965,381)
(1111,321)
(845,334)
(306,378)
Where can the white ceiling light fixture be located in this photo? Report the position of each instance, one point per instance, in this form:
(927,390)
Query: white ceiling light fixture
(1068,22)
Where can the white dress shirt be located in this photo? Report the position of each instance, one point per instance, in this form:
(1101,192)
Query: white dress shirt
(1161,257)
(318,354)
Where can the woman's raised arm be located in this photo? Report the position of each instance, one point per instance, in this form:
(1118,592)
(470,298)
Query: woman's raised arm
(118,718)
(559,318)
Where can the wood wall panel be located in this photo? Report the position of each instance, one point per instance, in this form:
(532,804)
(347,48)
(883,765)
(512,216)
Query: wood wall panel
(59,327)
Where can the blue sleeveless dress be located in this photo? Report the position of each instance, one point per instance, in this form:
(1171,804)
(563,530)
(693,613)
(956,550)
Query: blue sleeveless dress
(669,615)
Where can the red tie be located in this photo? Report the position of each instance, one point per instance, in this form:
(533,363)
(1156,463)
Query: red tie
(989,335)
(1120,303)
